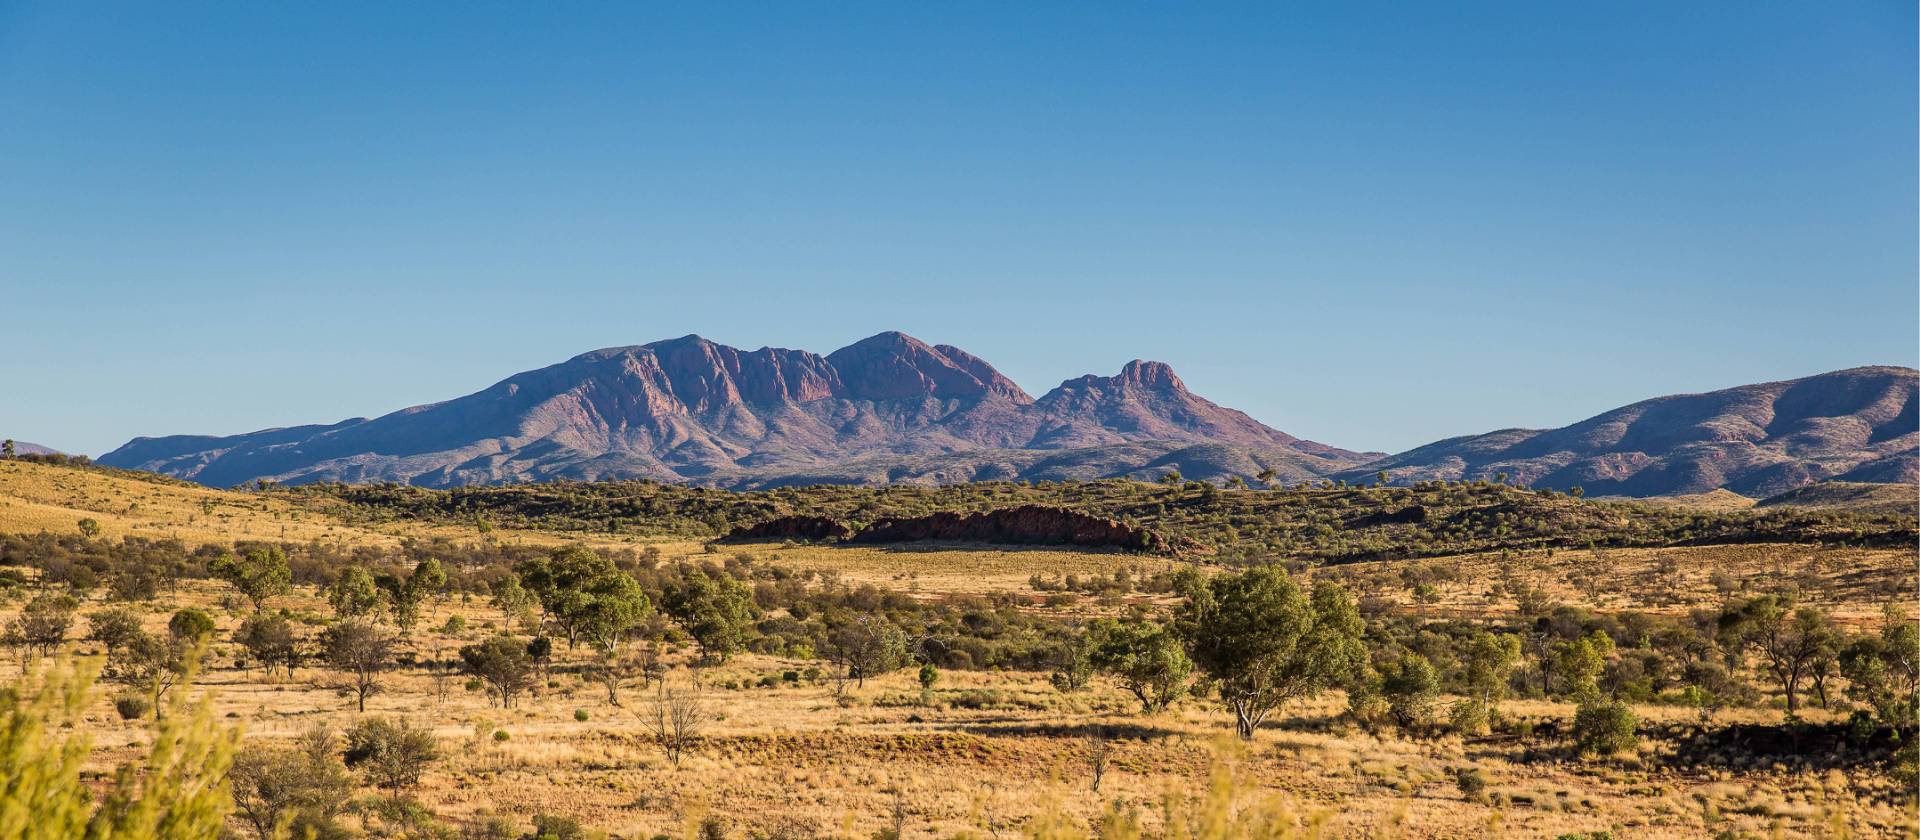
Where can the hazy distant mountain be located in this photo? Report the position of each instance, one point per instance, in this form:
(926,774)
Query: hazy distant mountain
(21,447)
(1756,440)
(886,409)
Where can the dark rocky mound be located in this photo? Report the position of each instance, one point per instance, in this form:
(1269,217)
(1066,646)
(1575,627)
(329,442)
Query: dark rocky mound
(1024,525)
(808,528)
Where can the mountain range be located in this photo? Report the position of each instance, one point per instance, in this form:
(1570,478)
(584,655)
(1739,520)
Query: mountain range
(1858,424)
(887,408)
(892,409)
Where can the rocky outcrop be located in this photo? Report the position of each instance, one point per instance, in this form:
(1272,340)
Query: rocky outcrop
(1024,525)
(804,528)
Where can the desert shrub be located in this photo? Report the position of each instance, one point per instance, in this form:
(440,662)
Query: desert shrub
(555,827)
(1604,727)
(581,715)
(131,706)
(391,753)
(1472,783)
(1468,717)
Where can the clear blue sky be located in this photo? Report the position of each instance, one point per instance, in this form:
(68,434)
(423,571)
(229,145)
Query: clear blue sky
(1371,225)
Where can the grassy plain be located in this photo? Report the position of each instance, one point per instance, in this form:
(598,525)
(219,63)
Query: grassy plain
(988,752)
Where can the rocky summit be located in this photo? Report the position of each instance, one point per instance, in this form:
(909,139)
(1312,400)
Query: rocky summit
(889,408)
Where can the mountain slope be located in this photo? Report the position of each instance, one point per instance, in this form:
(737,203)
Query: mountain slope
(885,409)
(1758,440)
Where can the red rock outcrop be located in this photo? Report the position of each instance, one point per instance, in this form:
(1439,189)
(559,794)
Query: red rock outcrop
(809,528)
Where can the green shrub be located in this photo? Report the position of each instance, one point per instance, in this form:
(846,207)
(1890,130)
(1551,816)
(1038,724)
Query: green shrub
(1604,727)
(581,715)
(1472,783)
(501,735)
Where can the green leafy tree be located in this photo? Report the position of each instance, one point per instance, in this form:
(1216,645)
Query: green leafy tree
(1488,662)
(1791,641)
(1146,658)
(270,641)
(354,593)
(1266,643)
(406,595)
(865,646)
(260,574)
(1410,684)
(1577,664)
(613,606)
(297,792)
(190,626)
(714,608)
(503,664)
(42,625)
(1883,671)
(114,629)
(1603,726)
(512,599)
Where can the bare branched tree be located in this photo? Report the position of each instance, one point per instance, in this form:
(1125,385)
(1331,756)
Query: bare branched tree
(676,715)
(1099,754)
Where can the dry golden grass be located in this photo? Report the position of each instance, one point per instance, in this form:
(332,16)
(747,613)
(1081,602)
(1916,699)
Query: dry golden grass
(993,750)
(1851,583)
(800,755)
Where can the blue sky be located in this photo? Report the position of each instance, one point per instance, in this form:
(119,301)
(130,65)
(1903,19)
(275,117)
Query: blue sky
(1370,225)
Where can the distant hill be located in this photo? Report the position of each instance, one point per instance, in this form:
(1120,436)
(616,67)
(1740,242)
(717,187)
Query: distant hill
(21,447)
(1755,440)
(1847,495)
(887,409)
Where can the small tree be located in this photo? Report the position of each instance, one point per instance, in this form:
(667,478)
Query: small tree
(270,641)
(1266,643)
(260,574)
(503,664)
(89,528)
(1578,663)
(1604,727)
(406,595)
(354,593)
(676,716)
(1791,641)
(1410,686)
(866,646)
(296,792)
(1145,657)
(512,599)
(1489,660)
(360,650)
(1072,661)
(1883,671)
(114,629)
(391,754)
(716,610)
(42,625)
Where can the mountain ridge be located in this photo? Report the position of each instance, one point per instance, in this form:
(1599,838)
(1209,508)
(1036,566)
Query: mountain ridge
(1855,424)
(689,409)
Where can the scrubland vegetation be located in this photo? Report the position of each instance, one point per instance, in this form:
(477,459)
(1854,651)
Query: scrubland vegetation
(497,664)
